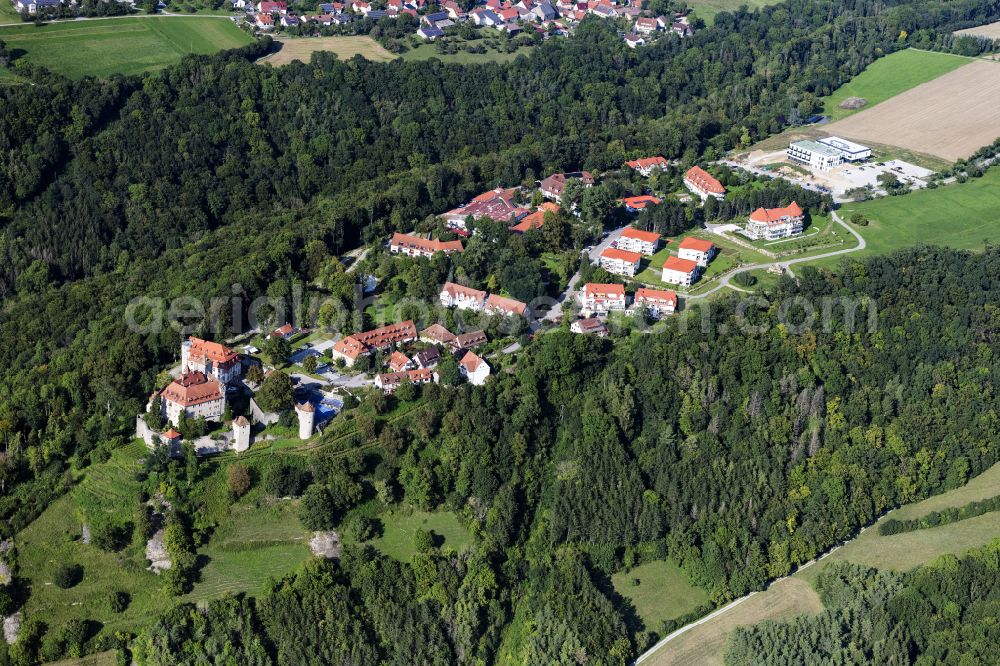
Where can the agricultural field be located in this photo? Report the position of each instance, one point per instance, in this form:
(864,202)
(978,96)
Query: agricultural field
(961,215)
(705,643)
(949,117)
(662,592)
(989,31)
(889,76)
(707,9)
(344,47)
(121,46)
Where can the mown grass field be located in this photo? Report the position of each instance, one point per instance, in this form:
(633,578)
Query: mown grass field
(108,658)
(663,593)
(345,47)
(891,75)
(705,643)
(960,215)
(398,530)
(121,46)
(707,9)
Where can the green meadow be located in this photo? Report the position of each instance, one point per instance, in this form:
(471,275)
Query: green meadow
(121,45)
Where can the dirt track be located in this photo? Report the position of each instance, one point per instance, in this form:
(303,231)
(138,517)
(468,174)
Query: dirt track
(950,117)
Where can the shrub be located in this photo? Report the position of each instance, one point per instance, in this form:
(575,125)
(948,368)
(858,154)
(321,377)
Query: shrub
(118,601)
(318,508)
(67,575)
(238,480)
(423,540)
(364,529)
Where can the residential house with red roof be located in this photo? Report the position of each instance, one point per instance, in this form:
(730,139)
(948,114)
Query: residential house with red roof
(502,305)
(474,369)
(645,165)
(415,246)
(657,302)
(469,340)
(553,186)
(681,271)
(211,358)
(279,7)
(637,240)
(194,394)
(646,26)
(436,334)
(697,250)
(496,204)
(620,262)
(461,297)
(703,183)
(535,220)
(589,326)
(399,362)
(264,22)
(774,223)
(597,298)
(391,381)
(284,331)
(352,347)
(640,203)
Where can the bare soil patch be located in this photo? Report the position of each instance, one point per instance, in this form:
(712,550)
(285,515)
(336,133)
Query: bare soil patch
(345,47)
(989,31)
(950,117)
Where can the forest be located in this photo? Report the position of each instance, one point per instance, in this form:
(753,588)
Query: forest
(738,456)
(944,612)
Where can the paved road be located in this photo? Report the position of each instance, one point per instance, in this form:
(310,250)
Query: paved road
(724,281)
(555,312)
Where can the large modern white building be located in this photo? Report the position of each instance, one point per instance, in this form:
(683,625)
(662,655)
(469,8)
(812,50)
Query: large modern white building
(849,151)
(815,154)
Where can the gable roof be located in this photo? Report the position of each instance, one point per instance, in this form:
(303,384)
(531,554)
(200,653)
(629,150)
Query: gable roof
(470,362)
(456,290)
(509,305)
(645,294)
(647,162)
(696,244)
(640,202)
(680,265)
(425,245)
(212,351)
(536,219)
(704,180)
(601,290)
(438,333)
(193,388)
(621,255)
(639,234)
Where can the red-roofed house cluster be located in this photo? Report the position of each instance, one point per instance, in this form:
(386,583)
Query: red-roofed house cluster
(420,368)
(775,223)
(352,347)
(415,246)
(600,299)
(466,298)
(200,391)
(703,184)
(693,255)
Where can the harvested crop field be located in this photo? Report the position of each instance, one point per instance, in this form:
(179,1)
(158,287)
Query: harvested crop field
(990,31)
(345,48)
(950,117)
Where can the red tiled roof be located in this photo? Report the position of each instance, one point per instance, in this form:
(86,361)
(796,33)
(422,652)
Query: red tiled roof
(621,255)
(417,243)
(536,219)
(557,181)
(193,388)
(639,234)
(454,290)
(213,351)
(704,180)
(398,361)
(604,290)
(420,375)
(470,362)
(438,333)
(640,202)
(646,162)
(283,331)
(171,434)
(696,244)
(776,215)
(355,345)
(510,305)
(645,294)
(680,265)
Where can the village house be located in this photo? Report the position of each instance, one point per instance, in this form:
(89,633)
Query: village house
(391,381)
(212,359)
(469,340)
(415,246)
(436,334)
(646,26)
(398,362)
(645,165)
(264,21)
(620,262)
(360,7)
(428,358)
(774,223)
(496,204)
(485,17)
(464,298)
(501,305)
(453,9)
(640,203)
(600,299)
(537,219)
(633,41)
(284,331)
(194,394)
(703,184)
(352,347)
(697,250)
(636,240)
(279,7)
(290,21)
(33,6)
(590,326)
(430,32)
(680,271)
(657,302)
(474,369)
(553,186)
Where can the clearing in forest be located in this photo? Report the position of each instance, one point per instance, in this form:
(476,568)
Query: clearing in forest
(989,31)
(950,117)
(786,598)
(121,45)
(345,47)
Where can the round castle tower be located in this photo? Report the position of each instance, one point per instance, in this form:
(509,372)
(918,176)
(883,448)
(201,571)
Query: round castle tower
(307,415)
(241,434)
